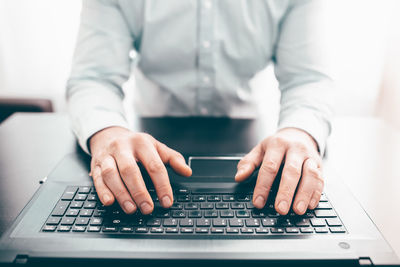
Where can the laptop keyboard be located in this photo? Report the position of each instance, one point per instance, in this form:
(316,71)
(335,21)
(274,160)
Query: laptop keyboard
(226,215)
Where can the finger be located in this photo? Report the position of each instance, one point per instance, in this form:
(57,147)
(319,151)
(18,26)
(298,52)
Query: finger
(309,182)
(174,159)
(249,163)
(133,180)
(105,195)
(290,177)
(315,199)
(111,178)
(271,163)
(148,156)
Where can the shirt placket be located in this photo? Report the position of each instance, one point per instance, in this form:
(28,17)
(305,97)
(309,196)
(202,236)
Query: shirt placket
(206,71)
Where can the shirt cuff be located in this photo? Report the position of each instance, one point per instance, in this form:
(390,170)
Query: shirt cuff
(310,122)
(95,121)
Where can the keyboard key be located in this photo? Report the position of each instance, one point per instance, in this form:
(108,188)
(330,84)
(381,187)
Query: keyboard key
(318,222)
(171,230)
(199,198)
(217,230)
(176,206)
(153,222)
(92,197)
(214,198)
(285,222)
(222,205)
(226,213)
(76,204)
(109,229)
(126,230)
(303,223)
(60,208)
(252,222)
(277,230)
(53,221)
(69,193)
(237,206)
(262,230)
(86,213)
(49,228)
(183,198)
(333,222)
(89,205)
(157,230)
(292,230)
(202,230)
(243,198)
(321,230)
(64,228)
(170,222)
(78,228)
(67,221)
(93,229)
(242,214)
(187,230)
(231,230)
(236,222)
(245,230)
(162,213)
(99,213)
(324,206)
(186,222)
(194,214)
(182,191)
(96,221)
(323,198)
(307,230)
(84,190)
(219,222)
(178,214)
(256,213)
(269,222)
(273,214)
(206,206)
(80,197)
(72,212)
(141,230)
(324,213)
(210,214)
(228,198)
(191,206)
(337,229)
(203,222)
(138,222)
(82,221)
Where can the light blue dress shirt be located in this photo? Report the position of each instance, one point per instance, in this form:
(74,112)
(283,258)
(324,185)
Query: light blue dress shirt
(196,58)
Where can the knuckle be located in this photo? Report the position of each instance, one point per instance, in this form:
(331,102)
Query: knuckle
(155,166)
(269,166)
(120,194)
(139,194)
(126,170)
(107,172)
(140,138)
(262,188)
(292,169)
(277,141)
(163,188)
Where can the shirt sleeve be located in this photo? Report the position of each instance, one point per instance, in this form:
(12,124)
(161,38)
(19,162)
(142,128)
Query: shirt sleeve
(302,69)
(100,66)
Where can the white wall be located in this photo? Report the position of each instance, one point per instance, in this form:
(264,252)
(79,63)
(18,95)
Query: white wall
(37,39)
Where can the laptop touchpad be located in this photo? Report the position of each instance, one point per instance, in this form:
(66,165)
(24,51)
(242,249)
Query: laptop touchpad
(214,166)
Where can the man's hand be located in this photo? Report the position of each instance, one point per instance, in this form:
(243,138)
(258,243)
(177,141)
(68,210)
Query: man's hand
(115,173)
(301,170)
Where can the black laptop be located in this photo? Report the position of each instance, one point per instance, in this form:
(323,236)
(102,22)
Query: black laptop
(212,221)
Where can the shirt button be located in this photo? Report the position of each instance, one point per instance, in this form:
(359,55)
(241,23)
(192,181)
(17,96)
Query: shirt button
(208,4)
(203,111)
(206,79)
(206,44)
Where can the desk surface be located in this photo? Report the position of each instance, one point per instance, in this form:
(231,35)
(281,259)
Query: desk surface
(365,151)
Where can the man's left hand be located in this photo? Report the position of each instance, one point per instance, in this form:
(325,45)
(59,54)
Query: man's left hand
(298,151)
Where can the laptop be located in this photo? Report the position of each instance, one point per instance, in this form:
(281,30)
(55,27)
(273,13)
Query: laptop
(212,219)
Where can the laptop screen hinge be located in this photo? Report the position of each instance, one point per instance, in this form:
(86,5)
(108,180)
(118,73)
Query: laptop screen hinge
(365,261)
(21,259)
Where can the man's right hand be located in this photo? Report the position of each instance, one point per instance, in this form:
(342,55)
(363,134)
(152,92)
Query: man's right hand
(116,175)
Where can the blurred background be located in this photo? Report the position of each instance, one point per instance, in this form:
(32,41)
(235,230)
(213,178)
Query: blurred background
(37,39)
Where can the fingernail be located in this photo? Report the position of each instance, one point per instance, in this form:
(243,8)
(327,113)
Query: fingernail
(283,206)
(129,207)
(259,202)
(106,198)
(166,201)
(301,206)
(145,208)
